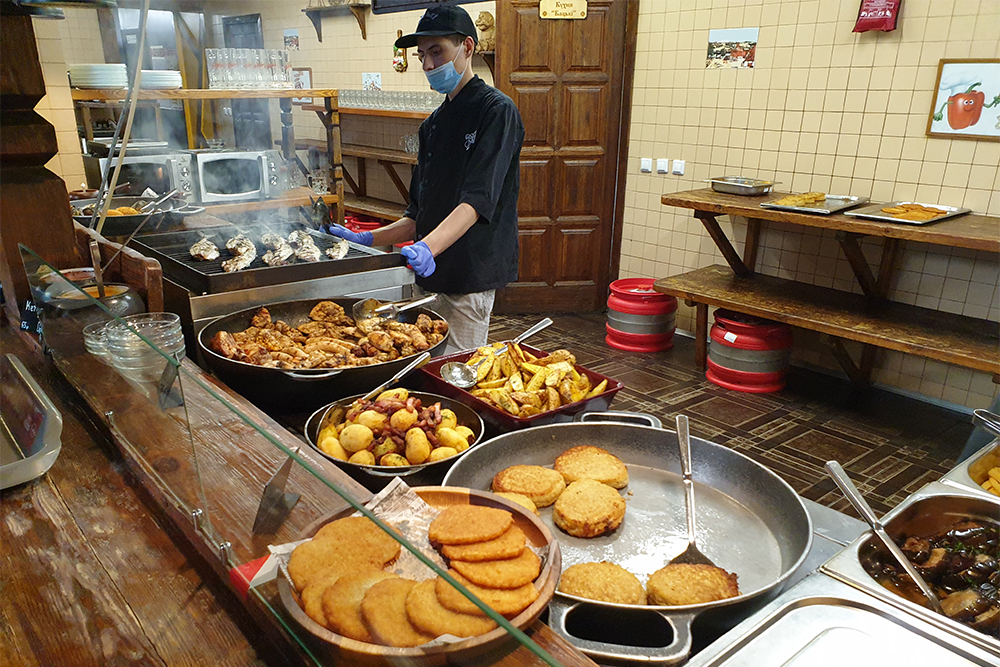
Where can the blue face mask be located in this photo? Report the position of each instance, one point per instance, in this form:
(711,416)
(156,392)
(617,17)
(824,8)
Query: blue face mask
(445,78)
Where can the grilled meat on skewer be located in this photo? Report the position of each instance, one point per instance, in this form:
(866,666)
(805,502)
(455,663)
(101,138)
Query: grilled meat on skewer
(204,250)
(338,250)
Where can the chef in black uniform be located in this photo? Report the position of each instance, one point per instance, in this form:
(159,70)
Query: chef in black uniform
(463,193)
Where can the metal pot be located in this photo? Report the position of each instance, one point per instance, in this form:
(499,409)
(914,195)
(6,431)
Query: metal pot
(750,522)
(419,474)
(298,390)
(172,213)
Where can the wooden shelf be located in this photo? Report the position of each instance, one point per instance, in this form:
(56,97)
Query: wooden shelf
(356,150)
(315,15)
(204,94)
(978,232)
(947,337)
(377,208)
(384,113)
(289,199)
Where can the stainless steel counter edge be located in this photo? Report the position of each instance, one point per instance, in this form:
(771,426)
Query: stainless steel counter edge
(959,475)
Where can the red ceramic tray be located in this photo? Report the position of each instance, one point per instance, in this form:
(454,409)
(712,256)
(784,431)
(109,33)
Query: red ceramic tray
(502,422)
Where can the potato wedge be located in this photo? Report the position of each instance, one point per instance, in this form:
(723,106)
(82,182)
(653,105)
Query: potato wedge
(492,384)
(496,371)
(483,372)
(516,381)
(527,398)
(528,411)
(515,352)
(566,390)
(506,403)
(554,399)
(557,356)
(601,386)
(538,379)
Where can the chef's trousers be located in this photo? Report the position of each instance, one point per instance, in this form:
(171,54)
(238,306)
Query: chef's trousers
(468,317)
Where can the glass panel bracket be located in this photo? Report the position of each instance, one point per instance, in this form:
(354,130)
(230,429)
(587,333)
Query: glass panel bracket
(275,504)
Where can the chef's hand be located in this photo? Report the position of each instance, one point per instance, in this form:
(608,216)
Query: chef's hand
(420,258)
(361,238)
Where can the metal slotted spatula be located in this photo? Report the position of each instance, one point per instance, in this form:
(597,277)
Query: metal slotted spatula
(691,555)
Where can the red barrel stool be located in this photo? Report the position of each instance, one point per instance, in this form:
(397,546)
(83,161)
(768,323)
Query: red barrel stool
(639,319)
(748,353)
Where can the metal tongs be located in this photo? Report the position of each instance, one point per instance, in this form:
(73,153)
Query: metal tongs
(155,208)
(851,492)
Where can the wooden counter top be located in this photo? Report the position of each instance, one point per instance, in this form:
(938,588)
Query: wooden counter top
(90,573)
(979,232)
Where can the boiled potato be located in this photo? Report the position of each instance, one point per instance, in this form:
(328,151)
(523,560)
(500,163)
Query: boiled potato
(388,446)
(332,447)
(465,432)
(448,419)
(340,428)
(393,460)
(399,394)
(372,419)
(356,437)
(442,453)
(403,419)
(418,447)
(362,458)
(451,438)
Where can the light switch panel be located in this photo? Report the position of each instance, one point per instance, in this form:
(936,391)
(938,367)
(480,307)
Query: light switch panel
(646,165)
(679,167)
(663,166)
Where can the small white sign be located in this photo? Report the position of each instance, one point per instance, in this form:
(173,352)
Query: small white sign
(371,81)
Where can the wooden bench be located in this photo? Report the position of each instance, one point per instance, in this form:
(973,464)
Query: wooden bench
(953,339)
(871,319)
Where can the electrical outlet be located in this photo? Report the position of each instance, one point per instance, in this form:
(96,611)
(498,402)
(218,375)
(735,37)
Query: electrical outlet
(646,165)
(679,167)
(663,166)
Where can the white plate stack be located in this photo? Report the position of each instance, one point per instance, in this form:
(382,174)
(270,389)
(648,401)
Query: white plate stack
(160,79)
(101,75)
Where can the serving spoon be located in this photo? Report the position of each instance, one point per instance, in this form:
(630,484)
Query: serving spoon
(691,555)
(464,376)
(851,492)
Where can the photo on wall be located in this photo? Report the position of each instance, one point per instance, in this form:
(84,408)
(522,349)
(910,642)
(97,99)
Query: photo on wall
(732,48)
(966,100)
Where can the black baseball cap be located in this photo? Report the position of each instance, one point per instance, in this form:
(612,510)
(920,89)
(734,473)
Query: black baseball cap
(438,21)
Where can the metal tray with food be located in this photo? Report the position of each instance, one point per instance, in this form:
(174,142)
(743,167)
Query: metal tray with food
(336,647)
(976,472)
(737,185)
(501,421)
(943,530)
(908,212)
(387,404)
(822,621)
(829,204)
(750,523)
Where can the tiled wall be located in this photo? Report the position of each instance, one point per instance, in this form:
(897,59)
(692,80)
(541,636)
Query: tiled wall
(76,39)
(824,109)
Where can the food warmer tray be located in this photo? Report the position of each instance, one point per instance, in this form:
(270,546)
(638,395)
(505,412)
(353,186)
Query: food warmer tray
(972,472)
(874,212)
(737,185)
(831,204)
(822,622)
(172,250)
(934,502)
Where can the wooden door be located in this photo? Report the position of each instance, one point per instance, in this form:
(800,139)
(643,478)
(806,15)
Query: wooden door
(571,81)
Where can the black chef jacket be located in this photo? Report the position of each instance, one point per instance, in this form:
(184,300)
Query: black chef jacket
(469,152)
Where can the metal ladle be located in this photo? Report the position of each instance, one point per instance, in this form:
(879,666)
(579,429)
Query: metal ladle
(691,555)
(852,494)
(464,376)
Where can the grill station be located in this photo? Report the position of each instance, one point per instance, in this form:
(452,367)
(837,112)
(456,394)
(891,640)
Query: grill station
(201,290)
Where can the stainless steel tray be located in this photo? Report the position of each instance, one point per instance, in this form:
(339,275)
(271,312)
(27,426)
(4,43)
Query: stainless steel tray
(737,185)
(821,622)
(971,473)
(874,212)
(846,566)
(831,204)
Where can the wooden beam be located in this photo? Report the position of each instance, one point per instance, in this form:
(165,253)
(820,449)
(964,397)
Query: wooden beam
(725,247)
(856,258)
(396,180)
(701,336)
(845,361)
(887,266)
(752,243)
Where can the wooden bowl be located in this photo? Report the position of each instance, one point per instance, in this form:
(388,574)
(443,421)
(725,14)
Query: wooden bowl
(538,536)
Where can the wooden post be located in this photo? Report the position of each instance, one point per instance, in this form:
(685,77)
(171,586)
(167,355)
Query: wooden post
(334,149)
(34,202)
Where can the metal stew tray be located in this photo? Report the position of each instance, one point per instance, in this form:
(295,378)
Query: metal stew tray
(831,204)
(874,212)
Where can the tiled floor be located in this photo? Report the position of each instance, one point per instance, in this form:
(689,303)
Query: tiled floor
(890,445)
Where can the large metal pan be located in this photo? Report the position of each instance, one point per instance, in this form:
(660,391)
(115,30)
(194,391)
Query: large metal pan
(171,215)
(749,522)
(298,390)
(379,476)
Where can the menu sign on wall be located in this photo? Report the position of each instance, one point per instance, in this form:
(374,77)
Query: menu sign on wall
(562,9)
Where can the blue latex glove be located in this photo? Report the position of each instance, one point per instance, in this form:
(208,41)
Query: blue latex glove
(361,238)
(420,258)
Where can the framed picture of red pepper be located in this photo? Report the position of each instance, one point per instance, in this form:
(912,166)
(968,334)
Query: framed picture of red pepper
(966,100)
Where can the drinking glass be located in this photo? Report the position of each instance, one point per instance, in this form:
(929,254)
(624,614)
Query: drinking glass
(286,62)
(212,67)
